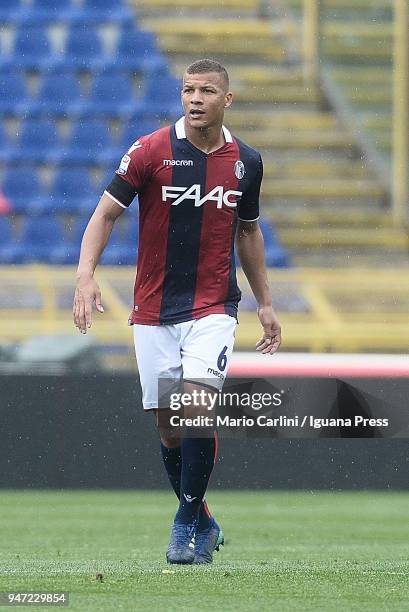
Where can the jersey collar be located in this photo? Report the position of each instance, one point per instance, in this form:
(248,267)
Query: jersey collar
(181,133)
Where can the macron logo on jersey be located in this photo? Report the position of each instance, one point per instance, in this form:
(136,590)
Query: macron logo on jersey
(217,194)
(178,162)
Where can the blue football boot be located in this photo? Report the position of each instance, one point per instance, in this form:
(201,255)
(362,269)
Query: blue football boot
(207,541)
(180,549)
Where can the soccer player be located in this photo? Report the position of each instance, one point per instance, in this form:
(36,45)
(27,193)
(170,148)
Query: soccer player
(198,189)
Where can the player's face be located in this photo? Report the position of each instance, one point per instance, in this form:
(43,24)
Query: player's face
(204,98)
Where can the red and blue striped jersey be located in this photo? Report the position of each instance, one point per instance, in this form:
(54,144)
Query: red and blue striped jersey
(189,203)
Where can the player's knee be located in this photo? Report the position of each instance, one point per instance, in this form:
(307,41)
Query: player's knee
(169,439)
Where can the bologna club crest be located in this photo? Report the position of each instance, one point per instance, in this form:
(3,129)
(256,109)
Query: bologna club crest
(239,169)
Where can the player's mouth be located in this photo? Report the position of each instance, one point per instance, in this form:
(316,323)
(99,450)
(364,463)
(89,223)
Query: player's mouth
(196,113)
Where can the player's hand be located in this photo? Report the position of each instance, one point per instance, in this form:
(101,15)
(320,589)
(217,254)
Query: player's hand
(271,339)
(87,293)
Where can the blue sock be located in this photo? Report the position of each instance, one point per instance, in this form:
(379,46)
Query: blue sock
(172,459)
(198,457)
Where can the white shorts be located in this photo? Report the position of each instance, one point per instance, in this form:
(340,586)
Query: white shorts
(197,351)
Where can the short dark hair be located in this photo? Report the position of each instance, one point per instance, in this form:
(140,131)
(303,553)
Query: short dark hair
(208,65)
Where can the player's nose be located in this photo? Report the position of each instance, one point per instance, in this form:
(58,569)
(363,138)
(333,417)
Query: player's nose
(196,98)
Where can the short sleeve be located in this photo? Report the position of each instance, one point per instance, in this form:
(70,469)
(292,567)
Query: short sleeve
(248,207)
(131,175)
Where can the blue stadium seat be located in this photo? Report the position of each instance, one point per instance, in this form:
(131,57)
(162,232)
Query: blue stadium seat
(5,145)
(112,95)
(117,251)
(162,96)
(10,251)
(14,99)
(268,230)
(68,253)
(72,192)
(135,130)
(103,11)
(47,11)
(277,256)
(131,229)
(39,236)
(10,12)
(5,230)
(21,187)
(83,49)
(59,95)
(137,50)
(39,142)
(32,49)
(89,142)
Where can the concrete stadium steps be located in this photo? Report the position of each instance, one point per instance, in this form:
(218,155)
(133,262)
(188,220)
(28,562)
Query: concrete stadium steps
(319,189)
(268,120)
(350,51)
(342,257)
(314,169)
(312,218)
(326,203)
(393,239)
(285,93)
(248,39)
(358,76)
(294,139)
(191,8)
(369,91)
(343,9)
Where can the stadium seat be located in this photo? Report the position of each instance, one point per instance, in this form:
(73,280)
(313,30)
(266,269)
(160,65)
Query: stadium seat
(72,192)
(39,142)
(102,11)
(5,145)
(117,252)
(42,12)
(162,96)
(68,252)
(21,187)
(135,130)
(137,50)
(39,236)
(10,12)
(112,94)
(14,99)
(83,49)
(277,257)
(5,230)
(122,246)
(89,143)
(59,95)
(268,230)
(131,229)
(32,49)
(10,251)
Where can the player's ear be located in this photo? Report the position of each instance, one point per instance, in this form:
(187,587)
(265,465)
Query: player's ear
(228,99)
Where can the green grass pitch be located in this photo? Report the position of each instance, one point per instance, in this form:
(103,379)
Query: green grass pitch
(284,551)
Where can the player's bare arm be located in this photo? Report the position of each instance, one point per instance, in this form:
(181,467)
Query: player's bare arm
(95,238)
(250,249)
